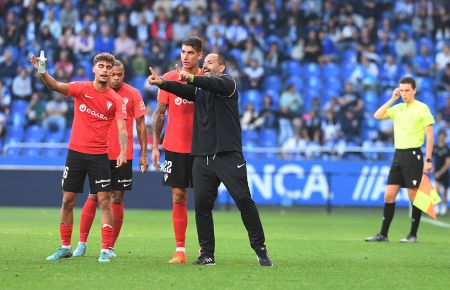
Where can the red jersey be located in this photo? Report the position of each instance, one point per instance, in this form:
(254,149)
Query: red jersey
(135,109)
(178,137)
(94,112)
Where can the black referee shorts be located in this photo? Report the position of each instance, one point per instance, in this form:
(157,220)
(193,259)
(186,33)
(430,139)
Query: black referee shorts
(177,169)
(407,168)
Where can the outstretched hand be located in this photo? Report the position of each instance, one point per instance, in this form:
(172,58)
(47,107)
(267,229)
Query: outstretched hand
(154,79)
(182,74)
(34,61)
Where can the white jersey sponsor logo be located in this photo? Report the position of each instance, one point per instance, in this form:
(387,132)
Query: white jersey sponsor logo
(83,108)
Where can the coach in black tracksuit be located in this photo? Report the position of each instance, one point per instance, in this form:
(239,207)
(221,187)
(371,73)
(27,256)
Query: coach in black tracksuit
(217,151)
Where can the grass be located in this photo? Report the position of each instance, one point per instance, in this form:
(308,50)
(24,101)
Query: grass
(310,250)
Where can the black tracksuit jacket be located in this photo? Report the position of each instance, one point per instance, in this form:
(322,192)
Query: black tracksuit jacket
(216,118)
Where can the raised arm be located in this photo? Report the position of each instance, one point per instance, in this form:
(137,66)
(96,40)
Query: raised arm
(223,85)
(158,123)
(142,136)
(49,81)
(183,91)
(381,113)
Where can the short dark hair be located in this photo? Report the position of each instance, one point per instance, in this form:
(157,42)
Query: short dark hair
(408,80)
(104,56)
(195,42)
(118,63)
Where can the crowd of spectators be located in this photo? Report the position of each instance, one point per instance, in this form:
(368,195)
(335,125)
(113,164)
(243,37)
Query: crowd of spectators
(310,72)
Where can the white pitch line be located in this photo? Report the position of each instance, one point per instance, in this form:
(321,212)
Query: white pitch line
(436,223)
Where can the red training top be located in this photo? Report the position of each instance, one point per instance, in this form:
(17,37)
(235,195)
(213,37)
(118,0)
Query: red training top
(135,109)
(94,112)
(178,137)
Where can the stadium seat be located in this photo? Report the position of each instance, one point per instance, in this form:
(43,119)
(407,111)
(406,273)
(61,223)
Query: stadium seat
(313,83)
(292,68)
(31,152)
(251,136)
(14,134)
(52,152)
(138,82)
(296,80)
(19,106)
(55,137)
(252,96)
(34,133)
(312,69)
(272,82)
(331,70)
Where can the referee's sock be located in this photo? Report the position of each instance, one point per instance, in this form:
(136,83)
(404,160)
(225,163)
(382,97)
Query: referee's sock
(388,215)
(415,221)
(87,218)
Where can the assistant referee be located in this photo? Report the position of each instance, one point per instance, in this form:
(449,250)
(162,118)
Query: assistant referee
(217,151)
(412,121)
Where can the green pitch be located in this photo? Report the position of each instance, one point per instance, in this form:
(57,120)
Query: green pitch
(310,250)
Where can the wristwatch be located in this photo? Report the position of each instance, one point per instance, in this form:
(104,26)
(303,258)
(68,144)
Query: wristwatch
(428,160)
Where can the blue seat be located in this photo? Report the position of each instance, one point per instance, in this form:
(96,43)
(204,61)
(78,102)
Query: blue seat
(292,68)
(19,106)
(34,133)
(252,96)
(67,135)
(31,152)
(52,152)
(312,69)
(296,80)
(18,119)
(331,70)
(313,83)
(248,154)
(14,134)
(273,82)
(250,136)
(349,56)
(55,137)
(139,82)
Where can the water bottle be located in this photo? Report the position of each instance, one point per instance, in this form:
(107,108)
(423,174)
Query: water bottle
(42,59)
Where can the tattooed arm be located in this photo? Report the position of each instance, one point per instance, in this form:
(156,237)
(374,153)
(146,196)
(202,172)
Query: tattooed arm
(123,142)
(158,122)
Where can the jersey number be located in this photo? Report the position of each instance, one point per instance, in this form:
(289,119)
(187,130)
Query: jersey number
(66,171)
(167,166)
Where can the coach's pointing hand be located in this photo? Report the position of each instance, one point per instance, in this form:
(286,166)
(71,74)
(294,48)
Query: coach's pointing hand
(154,79)
(183,75)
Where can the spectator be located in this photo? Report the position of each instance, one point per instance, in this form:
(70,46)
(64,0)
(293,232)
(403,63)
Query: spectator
(21,85)
(291,100)
(312,123)
(351,101)
(442,24)
(249,117)
(273,59)
(31,28)
(445,111)
(330,128)
(65,64)
(216,25)
(251,52)
(422,23)
(68,15)
(366,74)
(8,67)
(298,51)
(9,30)
(423,62)
(267,117)
(404,11)
(293,147)
(124,45)
(405,47)
(104,42)
(53,24)
(56,109)
(84,45)
(181,28)
(80,75)
(68,40)
(236,34)
(161,28)
(290,33)
(443,57)
(35,111)
(5,102)
(351,127)
(139,63)
(254,74)
(389,72)
(313,47)
(142,29)
(444,82)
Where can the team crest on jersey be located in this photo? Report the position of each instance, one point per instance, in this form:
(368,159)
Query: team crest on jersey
(125,100)
(108,105)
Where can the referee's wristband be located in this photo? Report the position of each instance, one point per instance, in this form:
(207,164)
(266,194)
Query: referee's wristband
(428,160)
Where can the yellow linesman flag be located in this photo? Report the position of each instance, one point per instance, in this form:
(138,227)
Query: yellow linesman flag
(426,197)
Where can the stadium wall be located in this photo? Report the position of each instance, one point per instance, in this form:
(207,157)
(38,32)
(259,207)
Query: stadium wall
(36,182)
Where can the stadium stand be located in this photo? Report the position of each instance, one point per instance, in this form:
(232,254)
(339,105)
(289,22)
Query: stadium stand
(318,46)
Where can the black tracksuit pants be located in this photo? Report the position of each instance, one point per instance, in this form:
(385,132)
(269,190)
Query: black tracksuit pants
(229,168)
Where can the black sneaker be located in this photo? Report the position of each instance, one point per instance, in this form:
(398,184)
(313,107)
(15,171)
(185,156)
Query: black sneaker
(409,239)
(205,260)
(263,257)
(377,238)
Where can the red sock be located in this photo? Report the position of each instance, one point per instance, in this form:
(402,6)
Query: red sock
(117,209)
(107,233)
(87,217)
(179,219)
(65,231)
